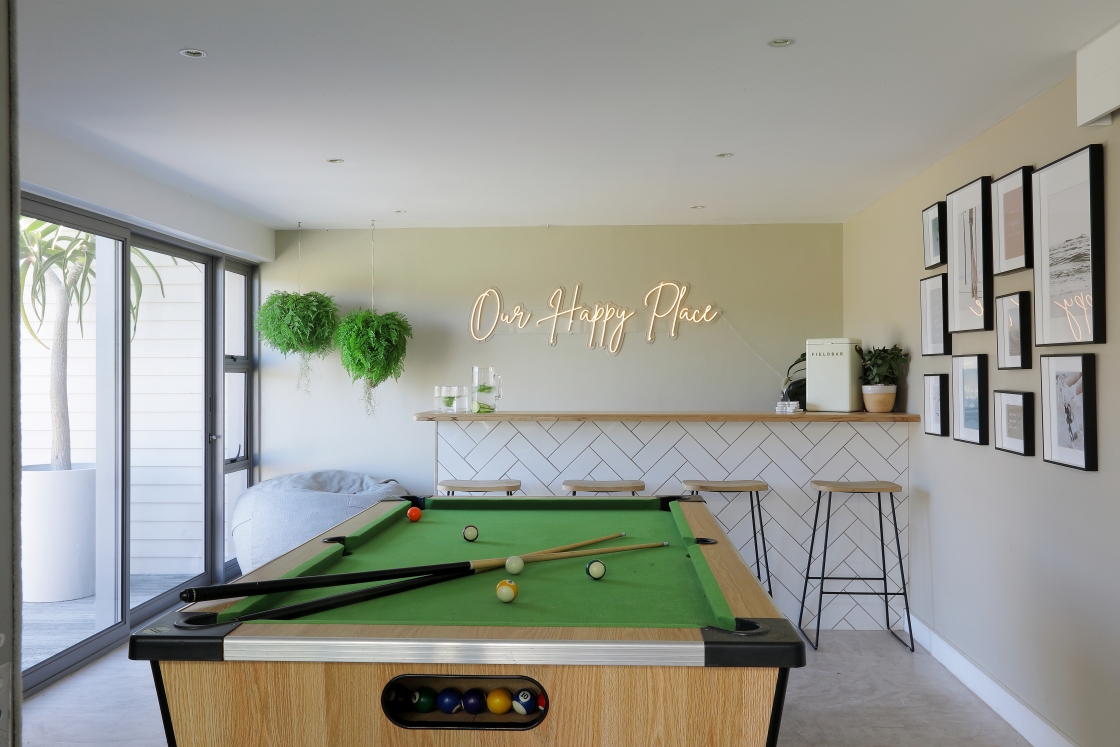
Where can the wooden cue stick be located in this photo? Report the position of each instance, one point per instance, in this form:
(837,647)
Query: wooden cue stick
(254,588)
(300,609)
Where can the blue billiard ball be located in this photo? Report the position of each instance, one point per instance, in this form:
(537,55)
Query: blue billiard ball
(449,700)
(474,701)
(524,701)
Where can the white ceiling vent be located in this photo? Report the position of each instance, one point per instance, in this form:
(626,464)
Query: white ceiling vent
(1098,79)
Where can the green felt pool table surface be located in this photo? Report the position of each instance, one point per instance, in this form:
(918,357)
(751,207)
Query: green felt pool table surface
(667,587)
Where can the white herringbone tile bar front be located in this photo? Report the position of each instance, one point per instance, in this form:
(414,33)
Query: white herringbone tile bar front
(542,454)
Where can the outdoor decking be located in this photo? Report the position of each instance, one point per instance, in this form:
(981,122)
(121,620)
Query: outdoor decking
(51,627)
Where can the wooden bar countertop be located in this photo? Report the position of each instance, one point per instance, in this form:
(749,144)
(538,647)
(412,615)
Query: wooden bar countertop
(704,417)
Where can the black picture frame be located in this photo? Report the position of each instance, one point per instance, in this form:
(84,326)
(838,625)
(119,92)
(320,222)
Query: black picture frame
(1012,222)
(969,220)
(1060,408)
(935,407)
(936,339)
(1072,189)
(1002,401)
(1013,328)
(934,236)
(966,411)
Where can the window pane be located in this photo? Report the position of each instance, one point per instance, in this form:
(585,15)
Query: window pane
(68,409)
(236,484)
(235,313)
(168,424)
(235,416)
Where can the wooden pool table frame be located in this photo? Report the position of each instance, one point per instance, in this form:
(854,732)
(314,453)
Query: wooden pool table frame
(320,683)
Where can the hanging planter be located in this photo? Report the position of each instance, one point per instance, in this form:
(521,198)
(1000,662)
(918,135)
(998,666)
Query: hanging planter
(301,323)
(373,348)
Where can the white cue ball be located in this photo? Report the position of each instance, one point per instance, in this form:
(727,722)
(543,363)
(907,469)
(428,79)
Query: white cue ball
(596,569)
(515,565)
(470,532)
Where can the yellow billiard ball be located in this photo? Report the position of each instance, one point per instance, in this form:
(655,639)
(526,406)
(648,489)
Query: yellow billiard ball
(499,701)
(507,592)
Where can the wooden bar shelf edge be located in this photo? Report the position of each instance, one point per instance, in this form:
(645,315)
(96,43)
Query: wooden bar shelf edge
(704,417)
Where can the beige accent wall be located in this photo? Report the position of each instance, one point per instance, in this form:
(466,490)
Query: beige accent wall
(777,284)
(1013,561)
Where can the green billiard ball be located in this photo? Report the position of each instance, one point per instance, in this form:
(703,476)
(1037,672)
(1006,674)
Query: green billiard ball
(424,699)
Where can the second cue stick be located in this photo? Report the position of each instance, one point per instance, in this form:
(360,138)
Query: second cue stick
(254,588)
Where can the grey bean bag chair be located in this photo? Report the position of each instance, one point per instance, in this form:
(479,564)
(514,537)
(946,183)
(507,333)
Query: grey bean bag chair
(276,515)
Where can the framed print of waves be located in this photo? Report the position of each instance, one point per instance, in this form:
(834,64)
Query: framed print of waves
(969,214)
(1068,218)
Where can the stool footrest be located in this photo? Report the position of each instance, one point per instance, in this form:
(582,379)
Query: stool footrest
(865,593)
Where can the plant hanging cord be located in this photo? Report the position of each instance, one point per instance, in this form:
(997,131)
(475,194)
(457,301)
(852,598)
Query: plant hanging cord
(372,263)
(299,258)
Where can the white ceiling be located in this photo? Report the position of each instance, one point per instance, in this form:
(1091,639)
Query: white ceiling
(522,112)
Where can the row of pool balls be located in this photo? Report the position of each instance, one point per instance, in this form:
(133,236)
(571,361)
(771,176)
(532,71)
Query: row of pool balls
(473,701)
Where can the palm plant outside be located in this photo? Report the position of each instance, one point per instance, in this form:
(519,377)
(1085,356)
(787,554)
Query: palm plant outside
(58,264)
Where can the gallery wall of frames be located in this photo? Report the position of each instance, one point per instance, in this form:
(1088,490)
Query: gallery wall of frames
(1048,221)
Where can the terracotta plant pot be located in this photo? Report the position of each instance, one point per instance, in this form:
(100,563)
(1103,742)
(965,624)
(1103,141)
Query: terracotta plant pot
(879,397)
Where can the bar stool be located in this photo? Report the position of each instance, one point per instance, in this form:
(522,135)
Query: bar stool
(479,486)
(751,488)
(873,486)
(604,486)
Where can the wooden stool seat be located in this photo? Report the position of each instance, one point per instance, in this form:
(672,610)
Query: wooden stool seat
(725,486)
(479,486)
(604,486)
(869,486)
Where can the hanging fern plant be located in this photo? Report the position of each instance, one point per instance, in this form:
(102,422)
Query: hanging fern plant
(301,323)
(373,348)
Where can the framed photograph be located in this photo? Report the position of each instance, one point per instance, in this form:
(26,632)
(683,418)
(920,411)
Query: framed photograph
(935,321)
(1013,415)
(970,399)
(1069,410)
(1068,208)
(933,233)
(1011,222)
(1013,330)
(935,414)
(970,256)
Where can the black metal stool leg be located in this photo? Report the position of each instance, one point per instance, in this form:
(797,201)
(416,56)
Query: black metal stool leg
(824,562)
(902,575)
(809,565)
(754,539)
(883,554)
(762,531)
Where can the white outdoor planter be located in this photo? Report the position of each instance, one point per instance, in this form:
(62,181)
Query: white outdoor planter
(58,509)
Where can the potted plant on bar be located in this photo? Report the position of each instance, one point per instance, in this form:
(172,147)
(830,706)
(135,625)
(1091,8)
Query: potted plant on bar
(56,270)
(882,368)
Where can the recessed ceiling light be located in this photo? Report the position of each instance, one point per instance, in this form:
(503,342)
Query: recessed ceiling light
(697,207)
(335,160)
(195,53)
(400,211)
(724,155)
(781,41)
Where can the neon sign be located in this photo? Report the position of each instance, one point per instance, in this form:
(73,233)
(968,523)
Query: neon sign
(607,321)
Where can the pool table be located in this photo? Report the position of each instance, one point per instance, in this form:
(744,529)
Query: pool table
(675,645)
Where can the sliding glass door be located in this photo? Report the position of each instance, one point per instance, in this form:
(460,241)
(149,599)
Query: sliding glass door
(136,428)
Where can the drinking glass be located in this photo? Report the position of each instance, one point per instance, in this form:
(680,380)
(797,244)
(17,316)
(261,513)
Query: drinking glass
(486,389)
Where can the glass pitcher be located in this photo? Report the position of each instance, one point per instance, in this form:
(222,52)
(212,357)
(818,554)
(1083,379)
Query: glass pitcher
(486,389)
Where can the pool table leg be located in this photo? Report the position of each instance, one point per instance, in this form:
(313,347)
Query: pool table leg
(776,710)
(164,711)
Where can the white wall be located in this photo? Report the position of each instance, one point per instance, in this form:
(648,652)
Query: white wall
(1013,560)
(55,168)
(778,284)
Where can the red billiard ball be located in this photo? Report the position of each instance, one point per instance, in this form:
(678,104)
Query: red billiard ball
(414,514)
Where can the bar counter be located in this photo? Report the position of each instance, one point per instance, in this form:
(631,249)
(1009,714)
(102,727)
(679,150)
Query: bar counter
(542,449)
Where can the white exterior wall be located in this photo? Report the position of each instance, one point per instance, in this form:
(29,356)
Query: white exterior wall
(167,414)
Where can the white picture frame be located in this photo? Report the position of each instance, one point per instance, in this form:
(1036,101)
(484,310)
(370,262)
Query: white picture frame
(970,399)
(970,256)
(1068,217)
(1012,227)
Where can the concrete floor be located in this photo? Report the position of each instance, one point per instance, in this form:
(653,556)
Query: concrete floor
(862,689)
